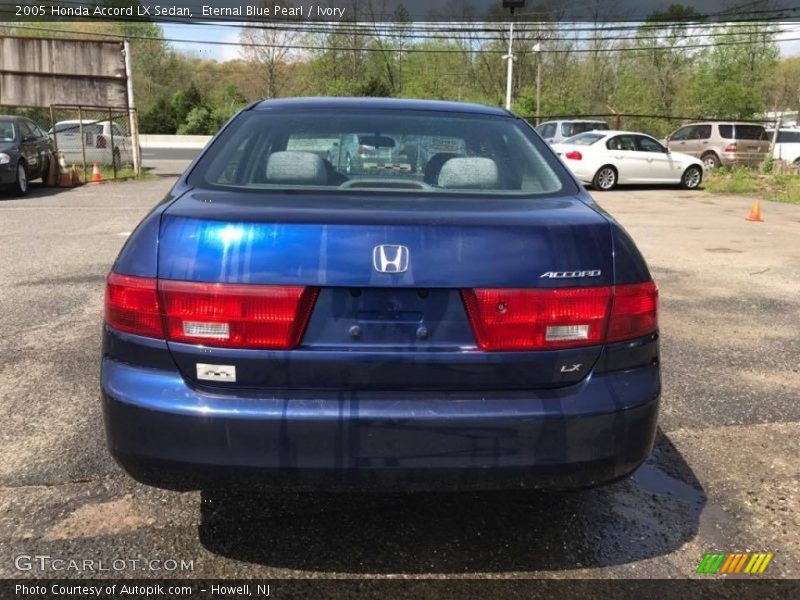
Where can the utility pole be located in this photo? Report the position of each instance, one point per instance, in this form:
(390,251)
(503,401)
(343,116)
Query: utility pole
(134,122)
(511,5)
(510,58)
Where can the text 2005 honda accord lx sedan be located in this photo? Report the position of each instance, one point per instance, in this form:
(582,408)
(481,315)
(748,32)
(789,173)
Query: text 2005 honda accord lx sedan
(455,313)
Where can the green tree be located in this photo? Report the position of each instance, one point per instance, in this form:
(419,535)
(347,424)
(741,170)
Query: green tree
(730,80)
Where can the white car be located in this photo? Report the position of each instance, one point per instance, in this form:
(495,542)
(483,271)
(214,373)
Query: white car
(97,142)
(607,158)
(787,146)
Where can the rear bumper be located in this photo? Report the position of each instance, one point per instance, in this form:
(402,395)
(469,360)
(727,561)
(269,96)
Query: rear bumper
(728,159)
(166,433)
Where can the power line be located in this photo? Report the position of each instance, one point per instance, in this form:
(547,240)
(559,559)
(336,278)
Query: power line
(409,49)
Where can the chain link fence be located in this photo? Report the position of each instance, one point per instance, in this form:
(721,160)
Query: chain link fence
(94,141)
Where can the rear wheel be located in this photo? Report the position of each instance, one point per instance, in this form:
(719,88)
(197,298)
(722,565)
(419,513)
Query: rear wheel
(348,165)
(605,179)
(710,161)
(692,177)
(20,186)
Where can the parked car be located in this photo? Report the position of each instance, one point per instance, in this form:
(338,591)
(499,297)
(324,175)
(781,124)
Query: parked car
(556,132)
(607,158)
(722,144)
(787,146)
(368,153)
(97,136)
(278,322)
(25,153)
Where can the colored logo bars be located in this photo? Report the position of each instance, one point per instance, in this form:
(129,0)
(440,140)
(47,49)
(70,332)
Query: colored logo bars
(718,563)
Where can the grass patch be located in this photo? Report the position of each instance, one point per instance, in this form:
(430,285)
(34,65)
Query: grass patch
(779,187)
(107,173)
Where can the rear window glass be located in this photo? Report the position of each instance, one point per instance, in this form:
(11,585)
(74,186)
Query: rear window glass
(750,132)
(75,128)
(584,139)
(413,152)
(7,131)
(726,132)
(570,129)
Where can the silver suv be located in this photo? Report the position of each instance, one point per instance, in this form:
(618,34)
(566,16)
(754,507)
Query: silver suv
(558,131)
(721,144)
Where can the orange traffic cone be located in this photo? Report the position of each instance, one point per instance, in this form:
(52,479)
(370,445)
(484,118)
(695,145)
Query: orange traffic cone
(64,177)
(96,176)
(755,212)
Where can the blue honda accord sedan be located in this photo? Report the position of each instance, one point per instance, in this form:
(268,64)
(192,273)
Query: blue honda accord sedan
(476,321)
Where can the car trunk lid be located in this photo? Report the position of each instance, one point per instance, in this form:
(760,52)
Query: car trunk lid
(384,330)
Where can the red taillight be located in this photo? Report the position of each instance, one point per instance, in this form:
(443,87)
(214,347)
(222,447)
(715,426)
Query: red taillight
(236,316)
(132,305)
(574,155)
(542,319)
(634,312)
(100,142)
(730,148)
(226,315)
(517,319)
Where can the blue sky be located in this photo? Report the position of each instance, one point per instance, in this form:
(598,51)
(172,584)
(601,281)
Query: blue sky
(222,33)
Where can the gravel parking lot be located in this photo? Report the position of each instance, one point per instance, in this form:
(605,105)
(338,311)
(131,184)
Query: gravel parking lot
(724,474)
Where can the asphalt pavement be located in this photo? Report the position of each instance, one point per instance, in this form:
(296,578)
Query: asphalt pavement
(723,476)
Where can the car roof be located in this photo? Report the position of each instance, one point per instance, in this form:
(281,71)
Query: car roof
(721,123)
(610,132)
(312,103)
(77,121)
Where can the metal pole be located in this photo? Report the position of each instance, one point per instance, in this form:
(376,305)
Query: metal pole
(111,130)
(775,134)
(510,58)
(134,124)
(83,141)
(538,83)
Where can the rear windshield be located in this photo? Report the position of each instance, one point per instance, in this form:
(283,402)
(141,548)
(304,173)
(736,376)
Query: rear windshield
(585,139)
(570,129)
(412,152)
(7,132)
(742,132)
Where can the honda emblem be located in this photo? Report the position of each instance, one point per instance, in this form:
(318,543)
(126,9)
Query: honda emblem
(390,259)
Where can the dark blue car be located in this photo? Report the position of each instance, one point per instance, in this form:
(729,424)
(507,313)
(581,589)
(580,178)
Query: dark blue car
(477,323)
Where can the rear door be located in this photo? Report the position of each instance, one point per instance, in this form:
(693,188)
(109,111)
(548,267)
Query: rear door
(631,166)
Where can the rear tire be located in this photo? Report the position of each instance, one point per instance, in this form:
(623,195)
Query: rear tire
(692,177)
(710,161)
(20,186)
(605,179)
